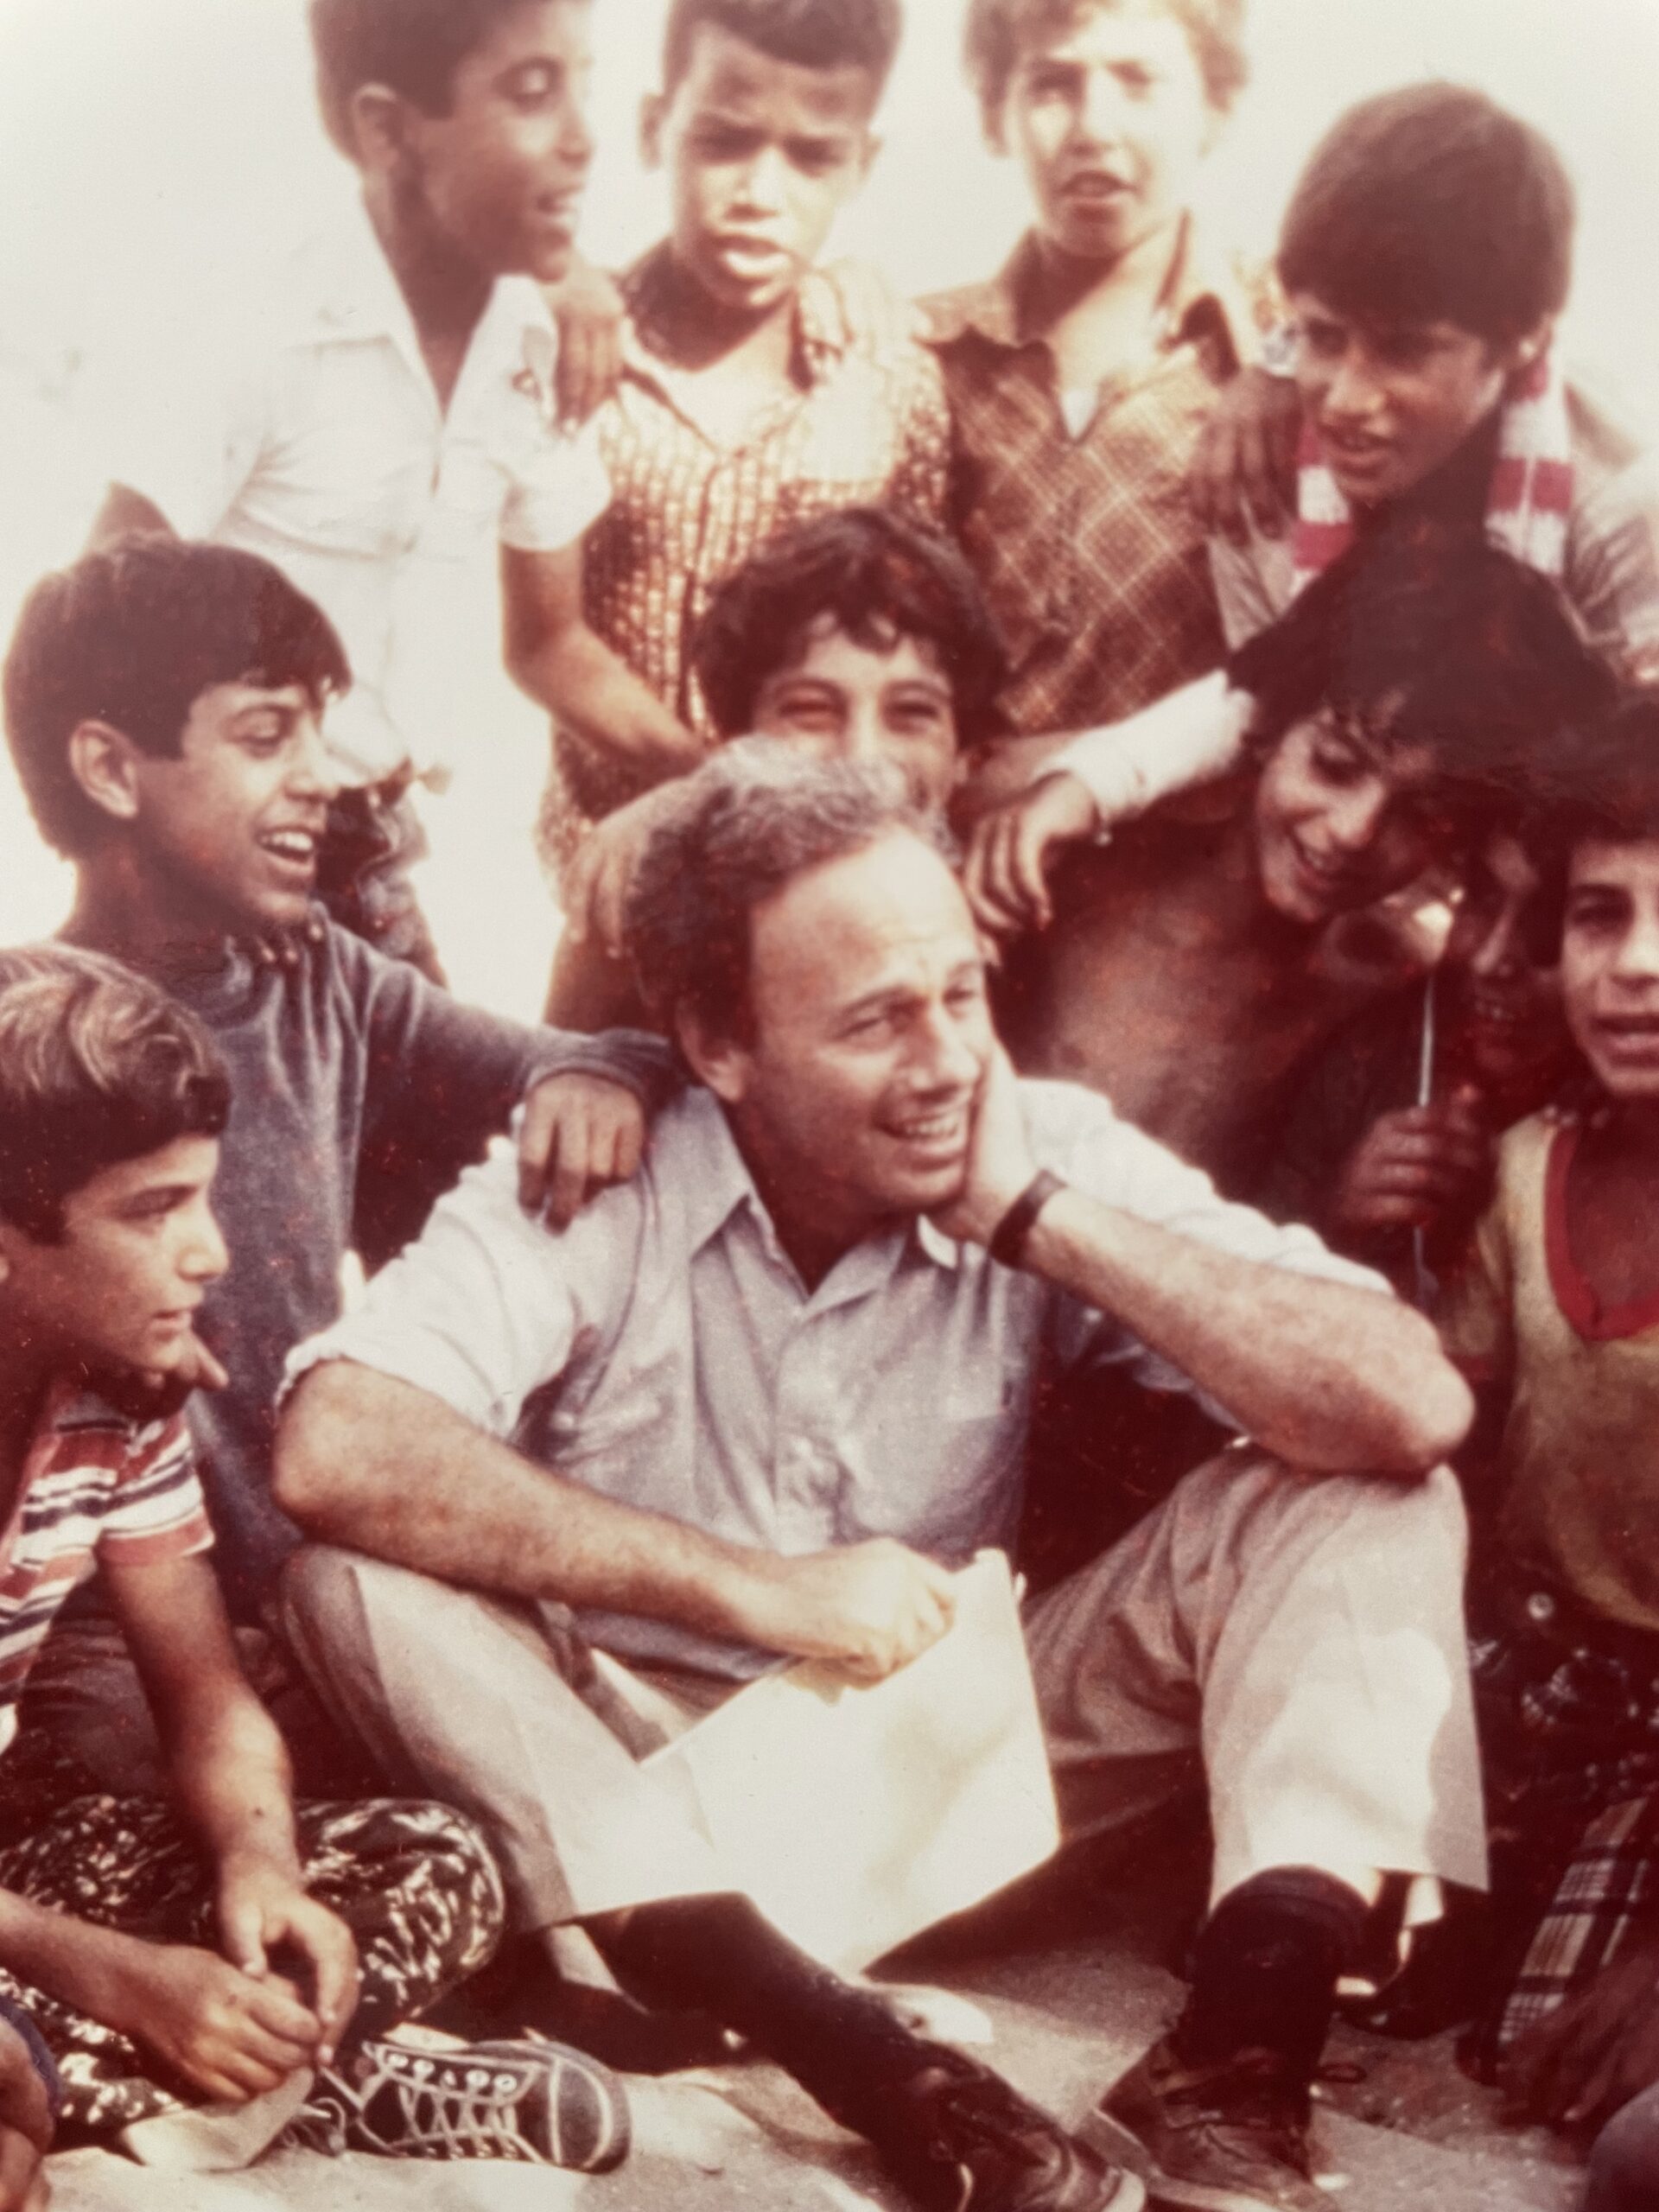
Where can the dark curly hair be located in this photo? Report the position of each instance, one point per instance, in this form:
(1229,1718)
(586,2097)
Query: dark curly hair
(1425,634)
(881,578)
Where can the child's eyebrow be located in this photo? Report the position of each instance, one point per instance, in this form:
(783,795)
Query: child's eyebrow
(159,1198)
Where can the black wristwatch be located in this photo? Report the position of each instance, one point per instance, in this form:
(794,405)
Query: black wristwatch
(1007,1245)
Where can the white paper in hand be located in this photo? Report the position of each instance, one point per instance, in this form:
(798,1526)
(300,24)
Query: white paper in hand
(857,1816)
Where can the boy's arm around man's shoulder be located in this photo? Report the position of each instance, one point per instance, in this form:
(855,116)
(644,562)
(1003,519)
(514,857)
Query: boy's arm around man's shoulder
(442,1077)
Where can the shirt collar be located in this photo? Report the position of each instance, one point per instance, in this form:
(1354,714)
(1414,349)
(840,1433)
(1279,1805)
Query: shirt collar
(822,334)
(345,289)
(71,1406)
(1203,299)
(719,1185)
(344,285)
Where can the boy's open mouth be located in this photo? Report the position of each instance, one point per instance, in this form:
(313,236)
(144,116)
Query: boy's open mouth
(295,849)
(1358,449)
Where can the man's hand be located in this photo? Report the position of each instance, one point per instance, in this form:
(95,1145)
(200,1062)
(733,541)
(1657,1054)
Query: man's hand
(262,1908)
(25,2127)
(597,882)
(866,1609)
(1411,1169)
(229,2035)
(1587,2060)
(580,1134)
(591,316)
(1000,1164)
(1014,846)
(1243,466)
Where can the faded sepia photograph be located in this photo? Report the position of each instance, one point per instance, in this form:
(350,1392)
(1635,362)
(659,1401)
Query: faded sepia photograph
(834,825)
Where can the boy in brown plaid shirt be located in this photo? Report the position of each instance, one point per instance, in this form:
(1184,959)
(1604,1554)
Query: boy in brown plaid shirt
(1081,375)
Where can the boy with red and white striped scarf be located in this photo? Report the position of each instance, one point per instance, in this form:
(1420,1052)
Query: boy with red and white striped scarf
(1426,255)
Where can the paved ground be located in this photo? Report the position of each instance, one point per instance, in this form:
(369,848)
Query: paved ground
(1069,1996)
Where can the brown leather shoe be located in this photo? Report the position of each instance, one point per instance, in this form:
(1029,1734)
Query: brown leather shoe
(962,2139)
(1230,2138)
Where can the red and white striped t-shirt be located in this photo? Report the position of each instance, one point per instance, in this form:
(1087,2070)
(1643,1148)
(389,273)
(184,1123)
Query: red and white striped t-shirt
(94,1481)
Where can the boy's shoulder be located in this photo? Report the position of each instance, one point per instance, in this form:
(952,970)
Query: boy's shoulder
(988,308)
(1221,303)
(1527,1154)
(109,1429)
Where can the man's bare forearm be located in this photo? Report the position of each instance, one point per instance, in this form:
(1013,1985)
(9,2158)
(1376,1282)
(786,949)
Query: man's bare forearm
(1331,1376)
(380,1466)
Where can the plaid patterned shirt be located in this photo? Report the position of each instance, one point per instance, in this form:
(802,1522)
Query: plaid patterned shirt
(868,425)
(1085,546)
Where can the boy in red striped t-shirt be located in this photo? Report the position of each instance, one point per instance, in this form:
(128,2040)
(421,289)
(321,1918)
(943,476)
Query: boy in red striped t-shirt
(205,1948)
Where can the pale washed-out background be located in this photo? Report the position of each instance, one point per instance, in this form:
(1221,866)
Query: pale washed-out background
(156,155)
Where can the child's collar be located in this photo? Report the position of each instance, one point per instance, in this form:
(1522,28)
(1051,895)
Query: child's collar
(823,330)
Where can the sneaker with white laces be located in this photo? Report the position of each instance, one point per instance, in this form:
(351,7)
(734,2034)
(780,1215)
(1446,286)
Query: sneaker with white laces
(525,2101)
(1227,2138)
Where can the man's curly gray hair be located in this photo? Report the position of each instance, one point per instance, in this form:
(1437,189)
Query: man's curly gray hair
(746,823)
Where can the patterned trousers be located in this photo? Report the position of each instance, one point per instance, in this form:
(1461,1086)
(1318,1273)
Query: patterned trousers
(413,1882)
(1570,1724)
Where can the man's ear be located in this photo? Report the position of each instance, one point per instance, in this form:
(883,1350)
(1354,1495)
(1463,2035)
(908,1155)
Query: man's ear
(653,113)
(718,1062)
(377,120)
(105,763)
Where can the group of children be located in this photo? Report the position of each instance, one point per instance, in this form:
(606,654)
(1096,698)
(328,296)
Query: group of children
(1331,857)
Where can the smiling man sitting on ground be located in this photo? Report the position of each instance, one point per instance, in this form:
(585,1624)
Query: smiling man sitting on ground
(794,1362)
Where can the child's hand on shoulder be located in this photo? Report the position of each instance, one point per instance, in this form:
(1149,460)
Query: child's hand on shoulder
(1015,846)
(580,1135)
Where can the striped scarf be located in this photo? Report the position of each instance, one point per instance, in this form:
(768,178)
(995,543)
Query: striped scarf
(1527,504)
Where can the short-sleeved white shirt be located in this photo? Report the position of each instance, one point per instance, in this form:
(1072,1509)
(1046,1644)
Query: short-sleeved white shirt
(663,1350)
(311,432)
